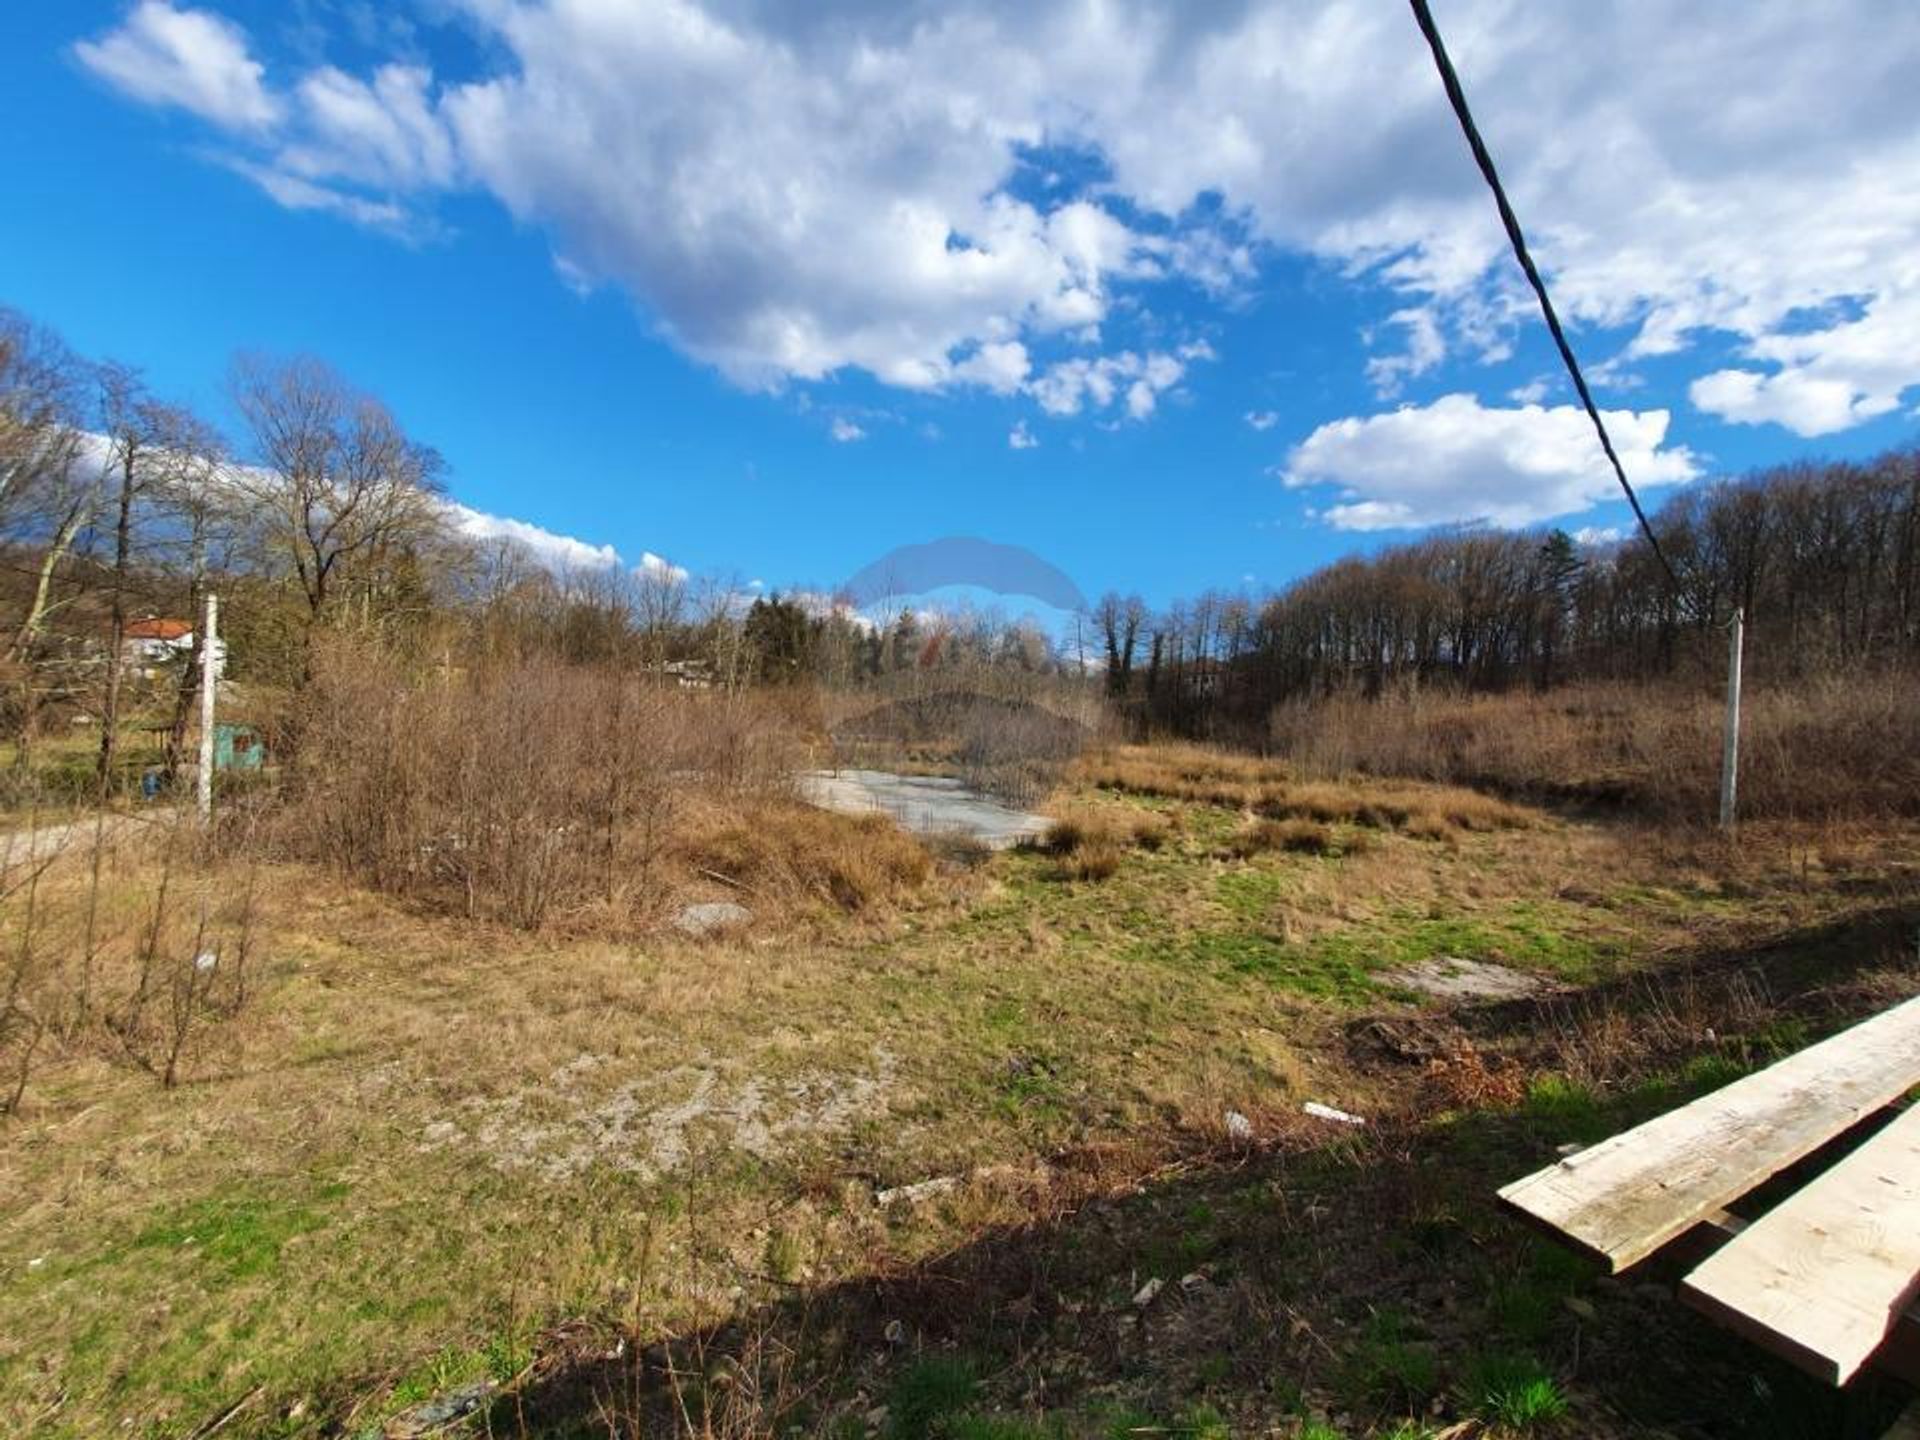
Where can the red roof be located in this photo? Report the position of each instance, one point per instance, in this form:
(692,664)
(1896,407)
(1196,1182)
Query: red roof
(159,630)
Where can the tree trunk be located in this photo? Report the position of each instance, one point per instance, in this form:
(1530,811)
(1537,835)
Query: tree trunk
(122,551)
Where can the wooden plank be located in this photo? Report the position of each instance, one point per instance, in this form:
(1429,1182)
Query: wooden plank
(1624,1198)
(1823,1277)
(1899,1357)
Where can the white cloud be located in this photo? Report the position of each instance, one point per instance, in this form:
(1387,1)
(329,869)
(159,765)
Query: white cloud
(793,190)
(1068,386)
(1598,535)
(1000,365)
(1021,438)
(658,567)
(1456,461)
(556,551)
(298,193)
(1425,349)
(386,133)
(1531,393)
(845,431)
(1828,379)
(1262,419)
(194,59)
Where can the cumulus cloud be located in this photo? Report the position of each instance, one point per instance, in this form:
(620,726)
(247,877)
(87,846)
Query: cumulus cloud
(1021,438)
(794,190)
(193,59)
(555,551)
(1828,379)
(659,568)
(1262,419)
(845,431)
(1137,381)
(1458,462)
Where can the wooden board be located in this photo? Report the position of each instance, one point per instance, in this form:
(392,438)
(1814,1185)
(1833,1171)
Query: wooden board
(1624,1198)
(1824,1276)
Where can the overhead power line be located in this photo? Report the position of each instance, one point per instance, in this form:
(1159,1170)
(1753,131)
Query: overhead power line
(1451,80)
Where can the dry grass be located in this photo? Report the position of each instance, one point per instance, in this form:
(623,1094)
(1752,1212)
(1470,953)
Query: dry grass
(794,855)
(1300,837)
(428,1137)
(1272,789)
(1090,842)
(1832,748)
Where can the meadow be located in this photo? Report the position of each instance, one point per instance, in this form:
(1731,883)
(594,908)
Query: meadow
(941,1142)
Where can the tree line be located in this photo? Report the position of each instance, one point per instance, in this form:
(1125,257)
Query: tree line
(1823,558)
(320,515)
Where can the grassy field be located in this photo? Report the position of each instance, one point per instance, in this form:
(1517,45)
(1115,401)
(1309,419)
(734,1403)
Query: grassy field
(1019,1151)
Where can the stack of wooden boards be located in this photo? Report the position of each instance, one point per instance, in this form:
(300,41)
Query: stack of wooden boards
(1827,1278)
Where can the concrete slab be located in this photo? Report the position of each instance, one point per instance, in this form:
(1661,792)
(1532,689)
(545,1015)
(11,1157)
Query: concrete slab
(923,804)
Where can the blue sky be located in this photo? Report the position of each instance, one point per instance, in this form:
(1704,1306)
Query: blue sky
(1175,297)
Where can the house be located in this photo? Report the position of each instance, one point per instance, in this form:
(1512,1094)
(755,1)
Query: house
(153,644)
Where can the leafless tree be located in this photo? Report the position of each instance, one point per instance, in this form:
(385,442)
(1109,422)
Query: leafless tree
(343,492)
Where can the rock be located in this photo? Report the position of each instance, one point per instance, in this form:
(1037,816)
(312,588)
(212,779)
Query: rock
(877,1416)
(442,1410)
(1583,1308)
(1147,1293)
(1238,1126)
(1193,1281)
(896,1333)
(914,1194)
(708,918)
(1327,1112)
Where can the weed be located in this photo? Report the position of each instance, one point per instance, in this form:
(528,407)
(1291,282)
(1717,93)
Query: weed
(1391,1368)
(1512,1390)
(928,1393)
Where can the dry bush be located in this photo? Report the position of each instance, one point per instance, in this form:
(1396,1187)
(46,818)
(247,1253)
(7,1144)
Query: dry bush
(134,938)
(1831,748)
(1184,772)
(1270,788)
(1301,837)
(782,849)
(1090,844)
(535,793)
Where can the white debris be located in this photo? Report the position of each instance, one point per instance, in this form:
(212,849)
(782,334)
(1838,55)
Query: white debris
(1327,1112)
(1238,1126)
(1145,1295)
(205,961)
(914,1194)
(705,919)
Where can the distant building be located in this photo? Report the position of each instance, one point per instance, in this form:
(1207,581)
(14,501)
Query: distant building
(153,644)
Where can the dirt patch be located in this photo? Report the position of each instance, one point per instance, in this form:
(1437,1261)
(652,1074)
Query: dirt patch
(654,1124)
(1452,978)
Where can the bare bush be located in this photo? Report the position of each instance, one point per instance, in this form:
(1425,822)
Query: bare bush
(1828,748)
(532,793)
(136,938)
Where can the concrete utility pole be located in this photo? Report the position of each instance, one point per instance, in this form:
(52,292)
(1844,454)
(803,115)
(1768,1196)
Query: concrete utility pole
(1730,744)
(209,678)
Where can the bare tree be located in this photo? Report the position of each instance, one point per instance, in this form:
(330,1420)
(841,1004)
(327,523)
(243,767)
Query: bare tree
(150,446)
(49,487)
(341,488)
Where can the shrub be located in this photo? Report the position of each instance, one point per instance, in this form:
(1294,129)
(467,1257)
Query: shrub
(534,793)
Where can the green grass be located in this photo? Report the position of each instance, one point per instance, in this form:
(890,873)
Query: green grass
(281,1222)
(1511,1390)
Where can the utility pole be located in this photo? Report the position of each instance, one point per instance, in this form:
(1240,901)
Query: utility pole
(209,678)
(1730,744)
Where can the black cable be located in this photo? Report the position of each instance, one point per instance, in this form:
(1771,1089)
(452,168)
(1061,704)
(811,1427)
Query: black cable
(1458,96)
